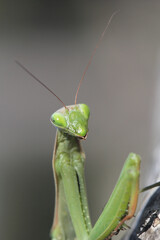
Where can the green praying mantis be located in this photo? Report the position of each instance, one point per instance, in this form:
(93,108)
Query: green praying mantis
(71,217)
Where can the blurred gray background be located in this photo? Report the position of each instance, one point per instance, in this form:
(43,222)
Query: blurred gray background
(54,39)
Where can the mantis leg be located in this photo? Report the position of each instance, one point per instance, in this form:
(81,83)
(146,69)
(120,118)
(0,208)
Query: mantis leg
(62,228)
(78,162)
(71,190)
(122,203)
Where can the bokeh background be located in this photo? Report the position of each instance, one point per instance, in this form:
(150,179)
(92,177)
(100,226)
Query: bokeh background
(54,39)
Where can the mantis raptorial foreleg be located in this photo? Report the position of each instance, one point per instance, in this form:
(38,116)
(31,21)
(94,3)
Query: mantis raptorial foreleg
(122,203)
(69,169)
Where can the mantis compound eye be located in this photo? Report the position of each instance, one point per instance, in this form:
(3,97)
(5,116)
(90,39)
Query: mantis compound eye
(84,110)
(58,120)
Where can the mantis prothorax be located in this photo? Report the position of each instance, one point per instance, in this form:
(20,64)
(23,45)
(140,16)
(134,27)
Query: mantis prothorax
(71,218)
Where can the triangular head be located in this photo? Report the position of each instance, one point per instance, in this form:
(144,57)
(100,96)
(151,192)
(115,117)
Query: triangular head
(73,120)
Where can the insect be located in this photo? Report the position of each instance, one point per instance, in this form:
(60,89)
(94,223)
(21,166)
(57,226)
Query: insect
(71,217)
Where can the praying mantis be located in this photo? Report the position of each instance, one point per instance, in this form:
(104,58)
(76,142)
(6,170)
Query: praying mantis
(71,217)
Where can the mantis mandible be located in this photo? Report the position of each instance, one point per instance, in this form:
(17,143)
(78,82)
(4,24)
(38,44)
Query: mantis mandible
(71,218)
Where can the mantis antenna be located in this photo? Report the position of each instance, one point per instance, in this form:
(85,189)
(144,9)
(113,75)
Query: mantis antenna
(93,53)
(33,76)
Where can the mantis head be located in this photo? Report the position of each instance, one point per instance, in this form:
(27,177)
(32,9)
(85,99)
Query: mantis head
(73,120)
